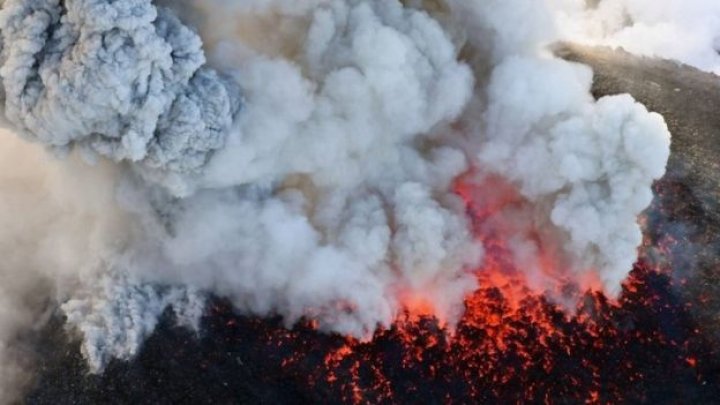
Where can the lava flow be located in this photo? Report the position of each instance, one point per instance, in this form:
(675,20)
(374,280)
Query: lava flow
(515,345)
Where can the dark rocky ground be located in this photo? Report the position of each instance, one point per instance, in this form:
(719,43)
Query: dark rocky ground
(240,360)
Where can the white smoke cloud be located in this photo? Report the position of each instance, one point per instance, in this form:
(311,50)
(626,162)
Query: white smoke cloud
(589,163)
(684,30)
(358,211)
(313,176)
(586,166)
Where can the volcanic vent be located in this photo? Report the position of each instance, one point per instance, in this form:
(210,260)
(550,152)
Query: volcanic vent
(418,197)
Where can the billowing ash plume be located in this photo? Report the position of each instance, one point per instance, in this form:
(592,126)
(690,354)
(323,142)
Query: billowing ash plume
(122,79)
(116,317)
(591,162)
(308,169)
(586,166)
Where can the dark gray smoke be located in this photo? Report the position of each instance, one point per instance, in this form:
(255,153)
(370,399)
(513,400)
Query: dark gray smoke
(122,79)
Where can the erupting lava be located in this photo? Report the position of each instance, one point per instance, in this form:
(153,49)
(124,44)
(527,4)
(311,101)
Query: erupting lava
(506,349)
(513,344)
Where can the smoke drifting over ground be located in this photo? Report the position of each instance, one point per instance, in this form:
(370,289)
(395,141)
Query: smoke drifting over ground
(308,170)
(684,30)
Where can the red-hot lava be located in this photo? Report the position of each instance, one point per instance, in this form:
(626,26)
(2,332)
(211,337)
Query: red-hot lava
(513,344)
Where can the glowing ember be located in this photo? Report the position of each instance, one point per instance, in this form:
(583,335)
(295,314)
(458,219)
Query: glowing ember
(502,351)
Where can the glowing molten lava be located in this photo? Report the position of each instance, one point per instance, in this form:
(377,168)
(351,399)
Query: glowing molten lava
(517,342)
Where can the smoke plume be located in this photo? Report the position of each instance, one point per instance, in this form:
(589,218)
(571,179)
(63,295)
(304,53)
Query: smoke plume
(305,167)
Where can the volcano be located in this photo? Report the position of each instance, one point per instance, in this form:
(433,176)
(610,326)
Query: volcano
(658,342)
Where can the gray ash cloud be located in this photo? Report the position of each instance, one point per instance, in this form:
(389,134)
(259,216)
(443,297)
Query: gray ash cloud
(122,79)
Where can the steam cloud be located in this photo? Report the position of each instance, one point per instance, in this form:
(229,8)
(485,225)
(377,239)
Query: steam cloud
(305,169)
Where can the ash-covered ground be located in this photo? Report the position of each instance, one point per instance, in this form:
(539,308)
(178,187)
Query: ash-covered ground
(660,344)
